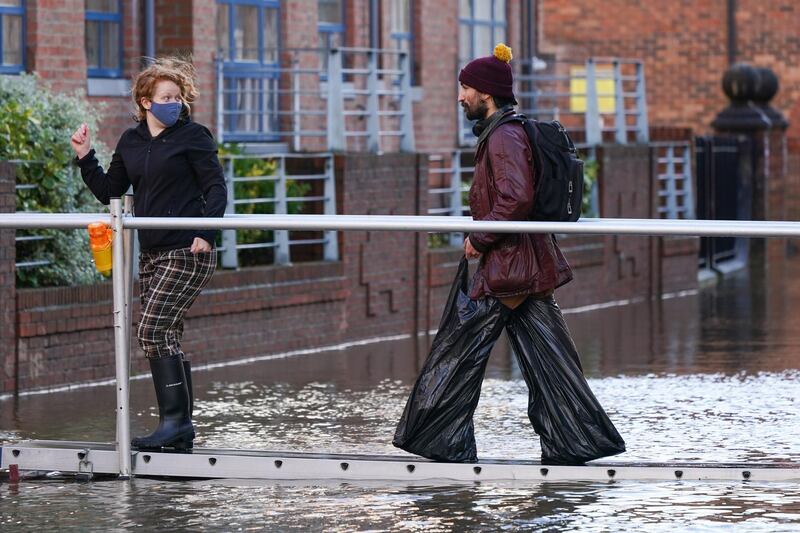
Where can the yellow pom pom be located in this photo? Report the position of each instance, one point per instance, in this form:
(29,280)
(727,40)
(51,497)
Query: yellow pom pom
(503,53)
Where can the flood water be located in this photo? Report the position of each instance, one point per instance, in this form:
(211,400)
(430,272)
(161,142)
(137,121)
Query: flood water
(706,376)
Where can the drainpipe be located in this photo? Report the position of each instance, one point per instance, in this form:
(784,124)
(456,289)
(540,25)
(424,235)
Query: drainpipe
(732,37)
(149,29)
(531,37)
(374,18)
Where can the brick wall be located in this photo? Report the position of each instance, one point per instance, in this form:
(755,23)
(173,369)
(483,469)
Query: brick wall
(118,110)
(55,42)
(66,334)
(684,46)
(381,267)
(435,117)
(7,282)
(386,283)
(299,30)
(188,27)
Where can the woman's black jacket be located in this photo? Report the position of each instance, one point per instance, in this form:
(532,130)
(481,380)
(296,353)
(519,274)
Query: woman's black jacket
(175,174)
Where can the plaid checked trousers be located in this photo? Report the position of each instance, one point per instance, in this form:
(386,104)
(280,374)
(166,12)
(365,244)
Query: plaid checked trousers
(169,282)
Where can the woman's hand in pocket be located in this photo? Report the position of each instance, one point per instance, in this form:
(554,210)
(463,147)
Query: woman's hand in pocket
(200,246)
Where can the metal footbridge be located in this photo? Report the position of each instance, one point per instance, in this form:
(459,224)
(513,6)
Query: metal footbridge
(118,459)
(97,459)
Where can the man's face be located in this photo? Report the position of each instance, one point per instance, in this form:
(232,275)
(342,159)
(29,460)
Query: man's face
(473,102)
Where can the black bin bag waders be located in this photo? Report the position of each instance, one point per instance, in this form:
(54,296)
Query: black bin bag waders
(437,420)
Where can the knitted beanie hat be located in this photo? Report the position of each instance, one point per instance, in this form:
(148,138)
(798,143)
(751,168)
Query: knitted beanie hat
(490,75)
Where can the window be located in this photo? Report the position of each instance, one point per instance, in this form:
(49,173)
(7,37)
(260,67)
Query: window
(248,42)
(401,31)
(482,24)
(104,38)
(247,31)
(12,36)
(401,22)
(604,87)
(331,23)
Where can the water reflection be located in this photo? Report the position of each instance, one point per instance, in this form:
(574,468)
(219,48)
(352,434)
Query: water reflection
(711,376)
(237,506)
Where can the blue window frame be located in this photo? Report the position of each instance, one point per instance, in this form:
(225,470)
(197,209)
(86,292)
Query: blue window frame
(331,28)
(330,23)
(402,30)
(248,40)
(104,38)
(482,24)
(12,36)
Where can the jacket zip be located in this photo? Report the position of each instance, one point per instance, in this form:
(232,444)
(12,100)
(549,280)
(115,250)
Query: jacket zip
(147,164)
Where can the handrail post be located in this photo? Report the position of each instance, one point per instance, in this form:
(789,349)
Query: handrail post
(688,182)
(407,142)
(296,107)
(621,125)
(220,100)
(282,253)
(336,122)
(230,255)
(594,135)
(373,103)
(456,208)
(331,247)
(670,178)
(121,344)
(129,239)
(642,123)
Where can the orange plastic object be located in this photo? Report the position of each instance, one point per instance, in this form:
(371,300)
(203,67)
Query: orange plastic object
(100,237)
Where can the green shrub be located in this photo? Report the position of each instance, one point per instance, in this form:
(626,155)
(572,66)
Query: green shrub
(591,169)
(36,125)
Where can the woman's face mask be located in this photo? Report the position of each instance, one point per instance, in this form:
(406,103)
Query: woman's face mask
(167,113)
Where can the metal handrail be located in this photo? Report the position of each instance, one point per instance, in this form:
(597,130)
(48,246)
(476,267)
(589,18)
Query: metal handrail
(589,226)
(123,253)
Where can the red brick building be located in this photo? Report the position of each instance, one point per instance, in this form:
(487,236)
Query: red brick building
(97,45)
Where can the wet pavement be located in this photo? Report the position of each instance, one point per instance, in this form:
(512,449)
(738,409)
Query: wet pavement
(706,376)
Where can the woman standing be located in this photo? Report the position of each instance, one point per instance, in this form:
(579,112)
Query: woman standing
(173,166)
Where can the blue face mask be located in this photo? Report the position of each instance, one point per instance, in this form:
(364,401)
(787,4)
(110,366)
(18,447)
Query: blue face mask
(167,113)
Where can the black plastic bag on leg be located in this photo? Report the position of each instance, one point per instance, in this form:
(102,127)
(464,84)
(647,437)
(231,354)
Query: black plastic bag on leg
(437,420)
(572,426)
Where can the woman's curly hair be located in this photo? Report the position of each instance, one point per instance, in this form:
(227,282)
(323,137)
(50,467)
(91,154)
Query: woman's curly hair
(175,69)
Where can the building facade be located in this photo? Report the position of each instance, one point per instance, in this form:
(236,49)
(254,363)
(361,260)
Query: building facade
(243,47)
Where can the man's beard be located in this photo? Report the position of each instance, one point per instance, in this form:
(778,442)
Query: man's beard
(477,113)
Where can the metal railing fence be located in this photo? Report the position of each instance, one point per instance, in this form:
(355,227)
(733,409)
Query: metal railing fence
(597,100)
(675,180)
(278,184)
(450,176)
(22,239)
(123,255)
(335,99)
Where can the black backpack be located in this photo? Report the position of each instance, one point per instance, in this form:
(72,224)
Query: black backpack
(559,172)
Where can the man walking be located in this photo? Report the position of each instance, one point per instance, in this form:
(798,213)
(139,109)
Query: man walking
(513,289)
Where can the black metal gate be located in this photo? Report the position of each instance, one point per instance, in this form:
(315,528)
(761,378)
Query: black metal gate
(723,193)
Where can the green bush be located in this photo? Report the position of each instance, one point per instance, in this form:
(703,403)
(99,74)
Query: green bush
(591,169)
(35,126)
(254,167)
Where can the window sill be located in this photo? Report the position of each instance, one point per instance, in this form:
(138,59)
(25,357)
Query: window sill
(108,87)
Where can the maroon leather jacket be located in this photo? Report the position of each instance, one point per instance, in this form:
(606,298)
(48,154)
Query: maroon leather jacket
(503,189)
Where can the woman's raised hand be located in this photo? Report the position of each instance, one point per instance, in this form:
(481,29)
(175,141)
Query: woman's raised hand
(81,141)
